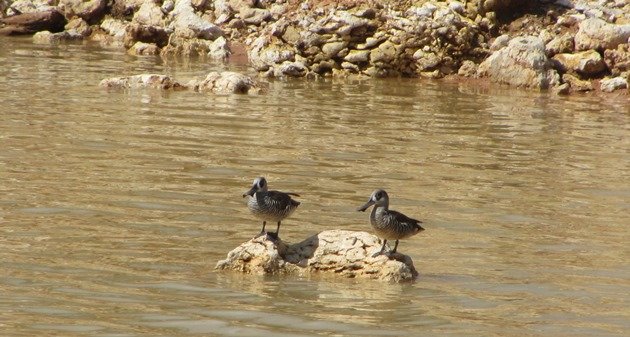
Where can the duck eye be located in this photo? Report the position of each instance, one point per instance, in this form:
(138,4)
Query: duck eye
(261,183)
(378,195)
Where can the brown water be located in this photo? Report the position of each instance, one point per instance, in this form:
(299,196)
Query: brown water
(116,205)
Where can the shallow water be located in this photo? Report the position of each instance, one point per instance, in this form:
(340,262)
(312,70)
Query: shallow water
(116,205)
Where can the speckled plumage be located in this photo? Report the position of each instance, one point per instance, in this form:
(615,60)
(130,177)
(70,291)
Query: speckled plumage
(270,205)
(389,224)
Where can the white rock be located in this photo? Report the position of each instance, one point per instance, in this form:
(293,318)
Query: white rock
(114,27)
(335,252)
(150,14)
(612,84)
(155,81)
(522,63)
(187,23)
(596,33)
(226,82)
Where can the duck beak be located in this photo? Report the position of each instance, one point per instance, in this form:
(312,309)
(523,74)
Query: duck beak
(366,206)
(250,192)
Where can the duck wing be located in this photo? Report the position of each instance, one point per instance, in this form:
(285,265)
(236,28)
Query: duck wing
(403,219)
(281,198)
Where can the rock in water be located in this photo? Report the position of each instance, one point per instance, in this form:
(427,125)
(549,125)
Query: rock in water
(339,252)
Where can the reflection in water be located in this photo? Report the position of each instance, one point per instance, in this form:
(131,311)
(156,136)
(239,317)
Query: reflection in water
(116,205)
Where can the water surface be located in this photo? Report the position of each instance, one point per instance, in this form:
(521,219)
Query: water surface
(116,205)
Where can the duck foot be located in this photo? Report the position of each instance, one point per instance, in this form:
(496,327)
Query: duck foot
(273,236)
(380,252)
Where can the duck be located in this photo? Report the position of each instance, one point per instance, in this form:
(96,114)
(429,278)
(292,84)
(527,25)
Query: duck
(270,205)
(389,224)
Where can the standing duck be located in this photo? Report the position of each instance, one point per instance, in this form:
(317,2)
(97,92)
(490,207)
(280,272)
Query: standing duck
(389,224)
(270,205)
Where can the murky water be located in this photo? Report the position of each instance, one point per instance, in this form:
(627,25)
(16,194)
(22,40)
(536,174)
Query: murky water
(116,205)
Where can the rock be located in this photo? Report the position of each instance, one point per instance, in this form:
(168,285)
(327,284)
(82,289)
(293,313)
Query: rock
(149,14)
(341,23)
(91,11)
(612,84)
(255,16)
(618,60)
(188,24)
(226,82)
(78,26)
(288,68)
(560,44)
(29,6)
(333,252)
(264,53)
(143,33)
(426,61)
(468,69)
(114,27)
(167,6)
(500,42)
(385,52)
(522,63)
(576,83)
(46,37)
(332,49)
(142,48)
(562,89)
(30,23)
(357,56)
(154,81)
(125,8)
(219,49)
(598,34)
(587,63)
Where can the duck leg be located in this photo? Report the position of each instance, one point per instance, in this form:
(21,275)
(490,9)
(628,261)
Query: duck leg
(262,231)
(395,246)
(275,235)
(382,249)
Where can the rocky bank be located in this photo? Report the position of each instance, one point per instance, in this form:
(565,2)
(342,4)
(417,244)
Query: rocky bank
(333,252)
(563,45)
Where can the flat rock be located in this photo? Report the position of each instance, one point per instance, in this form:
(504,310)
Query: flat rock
(334,252)
(226,82)
(155,81)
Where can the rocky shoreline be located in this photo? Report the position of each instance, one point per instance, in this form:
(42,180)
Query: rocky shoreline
(562,45)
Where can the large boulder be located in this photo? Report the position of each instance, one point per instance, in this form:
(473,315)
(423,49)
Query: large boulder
(598,34)
(333,252)
(522,63)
